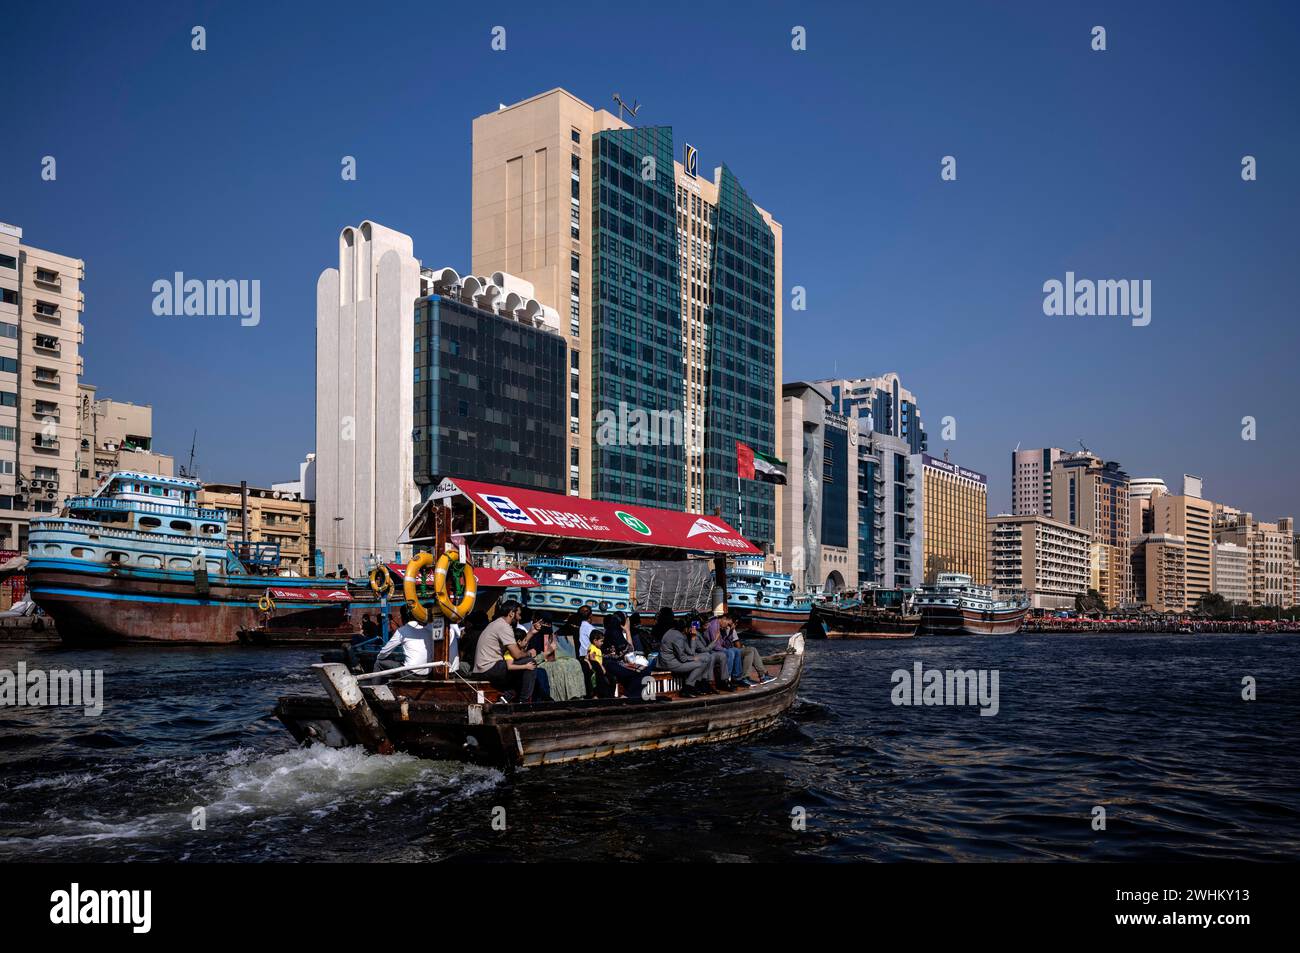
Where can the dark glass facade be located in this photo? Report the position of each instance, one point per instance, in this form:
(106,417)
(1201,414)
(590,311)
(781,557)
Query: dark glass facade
(835,488)
(636,315)
(741,401)
(491,398)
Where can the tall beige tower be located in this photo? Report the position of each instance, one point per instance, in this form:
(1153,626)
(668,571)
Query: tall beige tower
(41,303)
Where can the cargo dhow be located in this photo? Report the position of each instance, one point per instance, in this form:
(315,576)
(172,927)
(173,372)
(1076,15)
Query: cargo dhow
(954,605)
(140,561)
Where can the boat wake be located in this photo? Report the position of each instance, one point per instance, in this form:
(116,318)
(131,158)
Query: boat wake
(202,807)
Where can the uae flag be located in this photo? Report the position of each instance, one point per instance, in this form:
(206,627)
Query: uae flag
(754,464)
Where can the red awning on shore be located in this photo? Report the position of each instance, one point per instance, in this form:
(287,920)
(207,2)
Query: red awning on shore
(533,521)
(486,577)
(309,595)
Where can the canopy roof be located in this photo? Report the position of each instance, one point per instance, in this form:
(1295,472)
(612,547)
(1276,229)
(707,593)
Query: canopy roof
(533,521)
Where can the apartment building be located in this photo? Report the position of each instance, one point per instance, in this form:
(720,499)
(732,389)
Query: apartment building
(1031,481)
(1159,572)
(271,516)
(1047,559)
(41,304)
(1271,549)
(1192,519)
(1093,495)
(114,435)
(1232,572)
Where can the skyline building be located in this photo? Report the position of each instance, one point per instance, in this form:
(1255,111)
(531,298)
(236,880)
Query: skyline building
(1159,571)
(673,287)
(1271,551)
(1093,495)
(1048,559)
(880,405)
(1232,572)
(954,520)
(1191,519)
(1031,481)
(41,304)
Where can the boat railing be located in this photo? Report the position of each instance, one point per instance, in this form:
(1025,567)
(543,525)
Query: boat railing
(115,505)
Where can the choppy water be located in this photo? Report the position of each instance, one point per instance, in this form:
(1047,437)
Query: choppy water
(1153,728)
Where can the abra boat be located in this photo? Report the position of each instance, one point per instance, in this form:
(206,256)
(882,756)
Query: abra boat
(878,614)
(140,561)
(956,606)
(765,603)
(438,713)
(565,584)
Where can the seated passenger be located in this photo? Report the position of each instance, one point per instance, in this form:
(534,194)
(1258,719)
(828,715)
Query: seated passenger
(721,636)
(630,673)
(676,656)
(752,661)
(718,663)
(413,639)
(497,643)
(565,679)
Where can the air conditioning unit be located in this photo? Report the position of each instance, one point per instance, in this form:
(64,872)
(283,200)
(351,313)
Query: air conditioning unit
(51,496)
(51,484)
(22,483)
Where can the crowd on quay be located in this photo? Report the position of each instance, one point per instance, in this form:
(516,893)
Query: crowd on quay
(533,660)
(1162,625)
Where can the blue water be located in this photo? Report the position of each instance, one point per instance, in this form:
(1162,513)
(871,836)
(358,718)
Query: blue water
(1152,728)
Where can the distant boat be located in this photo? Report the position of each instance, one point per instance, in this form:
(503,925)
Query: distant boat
(954,605)
(565,584)
(878,614)
(140,561)
(765,603)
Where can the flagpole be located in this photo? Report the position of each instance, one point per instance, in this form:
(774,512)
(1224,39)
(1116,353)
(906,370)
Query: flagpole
(740,507)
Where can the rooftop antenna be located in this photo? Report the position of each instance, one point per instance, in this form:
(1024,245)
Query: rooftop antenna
(622,105)
(189,471)
(1085,449)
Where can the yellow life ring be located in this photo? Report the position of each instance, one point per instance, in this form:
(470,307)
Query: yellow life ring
(461,609)
(381,581)
(266,603)
(410,583)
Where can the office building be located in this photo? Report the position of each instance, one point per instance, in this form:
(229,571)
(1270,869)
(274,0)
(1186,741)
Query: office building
(365,368)
(1031,481)
(41,303)
(888,520)
(1232,572)
(1093,495)
(1159,572)
(491,394)
(673,288)
(1047,559)
(954,520)
(1191,519)
(114,435)
(1141,513)
(305,485)
(880,405)
(1271,549)
(820,505)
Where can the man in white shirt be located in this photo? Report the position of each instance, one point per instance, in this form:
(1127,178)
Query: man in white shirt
(415,641)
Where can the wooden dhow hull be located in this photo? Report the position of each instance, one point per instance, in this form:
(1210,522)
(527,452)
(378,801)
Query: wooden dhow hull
(100,605)
(840,623)
(956,620)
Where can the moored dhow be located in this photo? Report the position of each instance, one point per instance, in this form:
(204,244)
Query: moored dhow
(955,605)
(764,602)
(877,614)
(140,561)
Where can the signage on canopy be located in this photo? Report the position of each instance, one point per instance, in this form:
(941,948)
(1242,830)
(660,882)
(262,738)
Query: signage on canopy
(485,576)
(636,530)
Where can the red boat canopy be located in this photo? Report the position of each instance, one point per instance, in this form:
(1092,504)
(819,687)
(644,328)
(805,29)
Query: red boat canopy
(485,576)
(535,521)
(309,595)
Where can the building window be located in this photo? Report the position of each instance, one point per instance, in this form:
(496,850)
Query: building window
(6,467)
(8,330)
(8,261)
(8,434)
(9,365)
(573,134)
(8,296)
(8,399)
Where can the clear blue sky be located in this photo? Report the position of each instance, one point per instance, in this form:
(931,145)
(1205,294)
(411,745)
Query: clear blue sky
(1122,164)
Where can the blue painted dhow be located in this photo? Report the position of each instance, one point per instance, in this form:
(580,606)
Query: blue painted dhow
(140,561)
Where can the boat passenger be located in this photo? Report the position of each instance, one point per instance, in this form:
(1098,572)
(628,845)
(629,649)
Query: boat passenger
(596,660)
(585,627)
(496,642)
(415,641)
(702,646)
(629,673)
(565,678)
(664,621)
(676,656)
(721,636)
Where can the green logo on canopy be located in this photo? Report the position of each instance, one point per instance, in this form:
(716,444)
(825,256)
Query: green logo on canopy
(632,522)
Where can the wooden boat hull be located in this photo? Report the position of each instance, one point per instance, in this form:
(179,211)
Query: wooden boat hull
(129,605)
(446,719)
(840,623)
(956,620)
(771,622)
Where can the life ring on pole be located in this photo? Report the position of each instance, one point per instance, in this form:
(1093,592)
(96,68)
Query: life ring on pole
(458,610)
(381,581)
(266,603)
(410,585)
